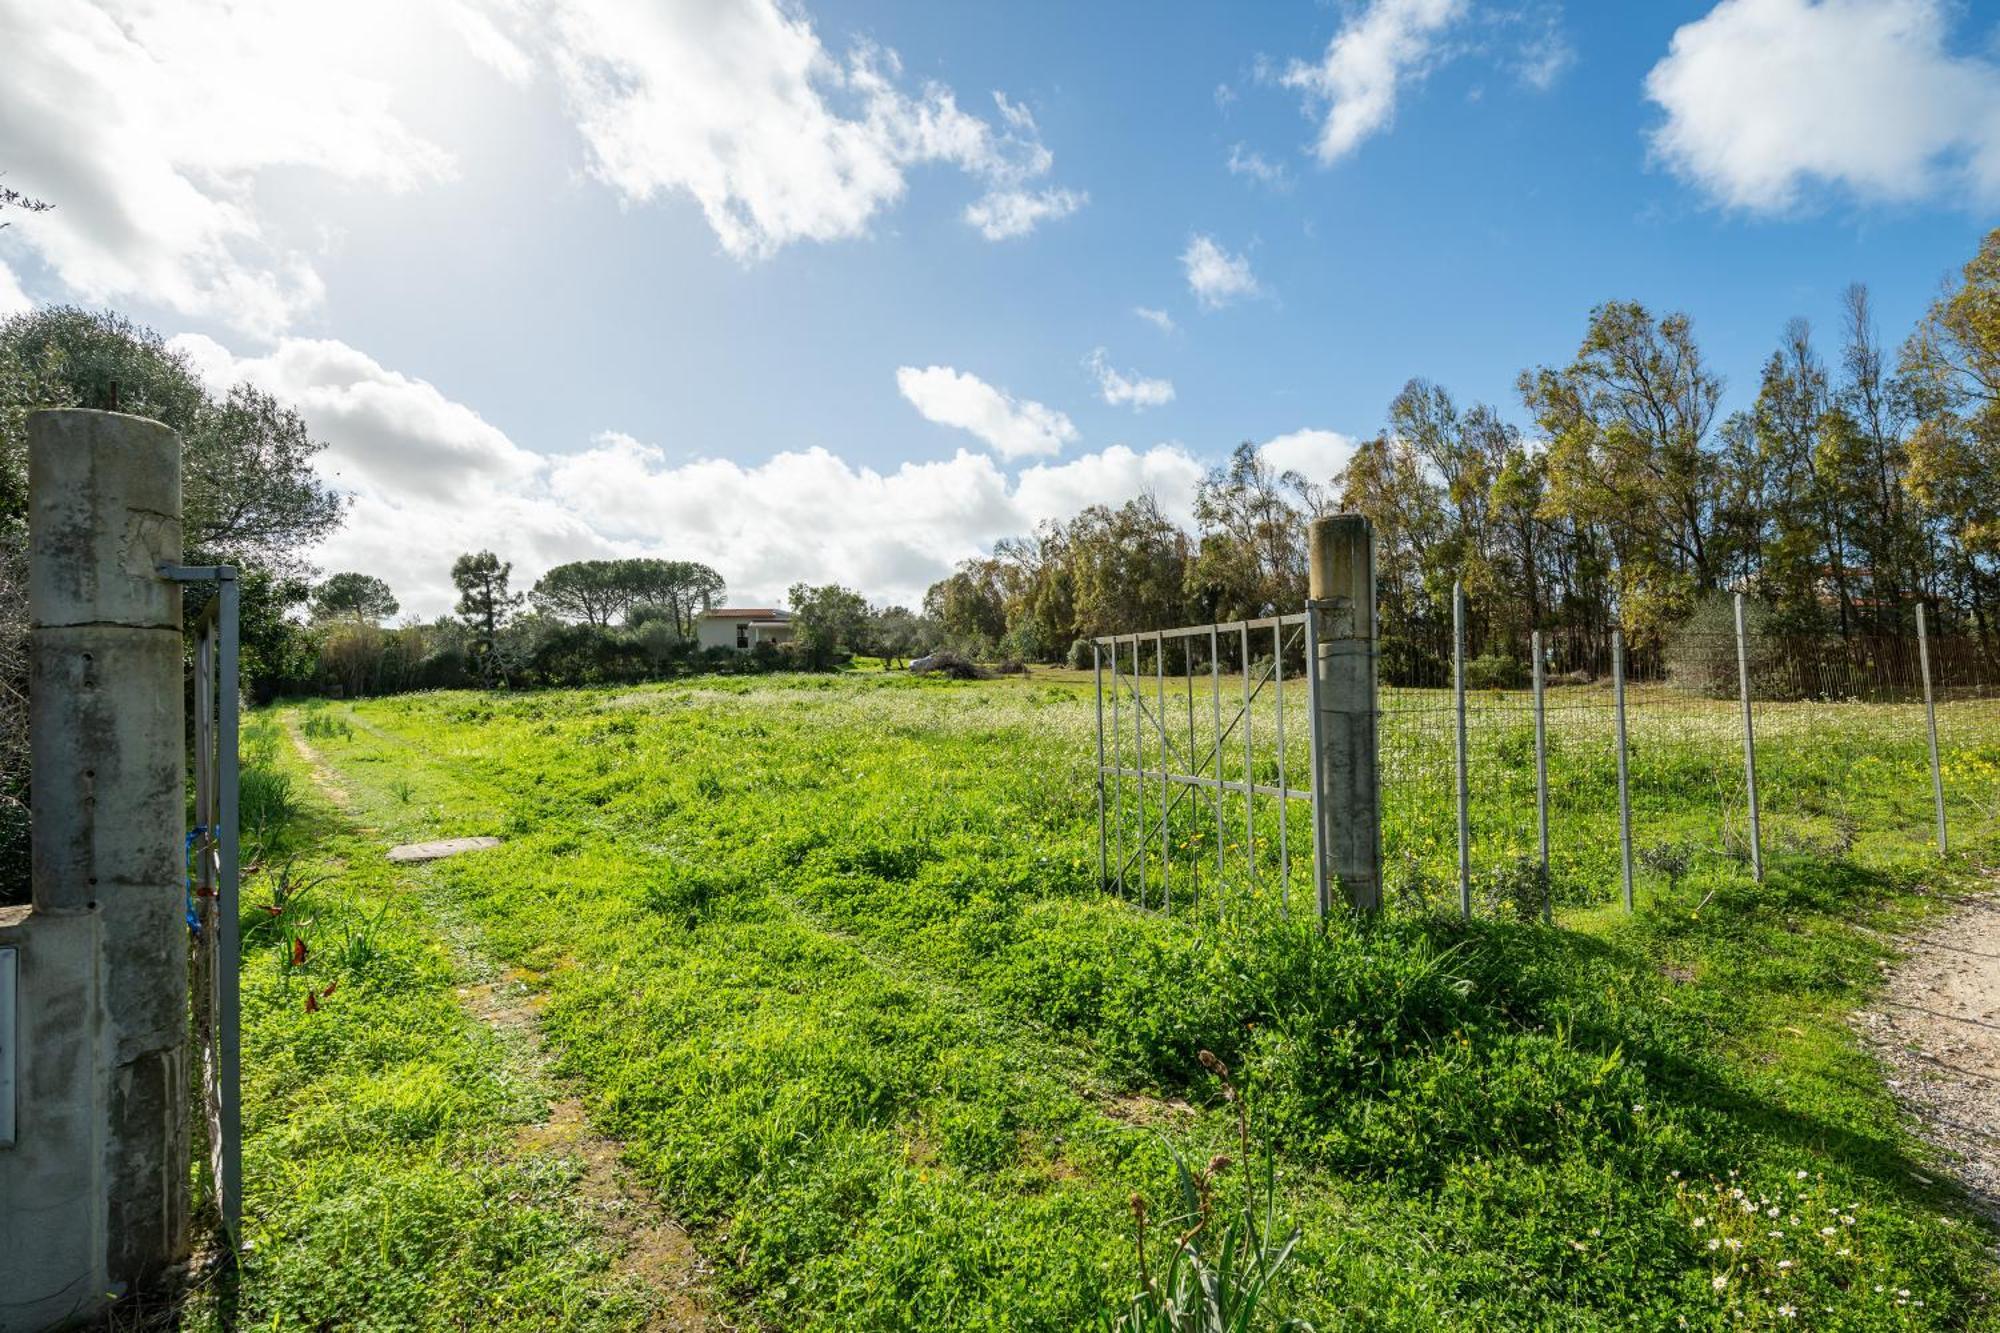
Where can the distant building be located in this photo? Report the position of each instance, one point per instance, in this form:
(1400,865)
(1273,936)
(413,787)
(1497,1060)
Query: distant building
(742,627)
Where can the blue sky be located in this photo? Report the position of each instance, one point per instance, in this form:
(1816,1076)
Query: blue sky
(818,290)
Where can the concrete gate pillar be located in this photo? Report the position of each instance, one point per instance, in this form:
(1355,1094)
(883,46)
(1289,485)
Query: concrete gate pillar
(1341,588)
(94,1186)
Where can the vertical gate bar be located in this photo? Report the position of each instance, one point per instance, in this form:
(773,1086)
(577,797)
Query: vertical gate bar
(1097,685)
(1139,770)
(1464,786)
(1187,667)
(1930,723)
(1284,787)
(1166,828)
(1542,777)
(229,1017)
(206,992)
(1249,781)
(1749,743)
(1322,889)
(1118,770)
(1215,701)
(1624,778)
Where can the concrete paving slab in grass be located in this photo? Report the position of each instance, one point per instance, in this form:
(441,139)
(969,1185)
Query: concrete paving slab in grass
(433,851)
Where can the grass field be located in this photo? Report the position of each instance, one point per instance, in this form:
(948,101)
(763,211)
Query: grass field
(828,956)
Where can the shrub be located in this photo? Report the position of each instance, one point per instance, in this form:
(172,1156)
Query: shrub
(1495,671)
(948,663)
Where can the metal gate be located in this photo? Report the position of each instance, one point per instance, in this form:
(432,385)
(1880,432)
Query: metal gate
(1156,759)
(213,855)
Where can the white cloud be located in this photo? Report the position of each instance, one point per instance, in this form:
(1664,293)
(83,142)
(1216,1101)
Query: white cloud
(1004,214)
(803,514)
(1215,276)
(1365,65)
(1012,427)
(1245,161)
(1159,319)
(148,126)
(1119,389)
(1167,472)
(13,300)
(1765,98)
(1316,455)
(741,107)
(386,433)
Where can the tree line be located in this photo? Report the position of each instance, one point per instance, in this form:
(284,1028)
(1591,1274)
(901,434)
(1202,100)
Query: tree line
(1858,483)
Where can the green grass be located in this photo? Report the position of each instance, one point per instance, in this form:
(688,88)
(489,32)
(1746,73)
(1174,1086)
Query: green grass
(829,956)
(384,1187)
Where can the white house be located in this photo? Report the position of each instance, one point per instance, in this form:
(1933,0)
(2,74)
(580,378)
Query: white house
(742,627)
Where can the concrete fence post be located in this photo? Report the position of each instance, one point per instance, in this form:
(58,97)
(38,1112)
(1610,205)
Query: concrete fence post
(1346,780)
(1749,743)
(95,1184)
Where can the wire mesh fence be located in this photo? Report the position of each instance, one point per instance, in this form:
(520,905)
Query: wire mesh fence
(1541,771)
(1831,732)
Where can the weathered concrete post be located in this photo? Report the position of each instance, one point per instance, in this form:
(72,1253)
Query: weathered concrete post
(1341,586)
(93,1191)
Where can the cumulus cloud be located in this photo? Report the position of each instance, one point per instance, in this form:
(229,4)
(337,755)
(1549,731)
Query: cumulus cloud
(430,478)
(148,126)
(386,432)
(742,108)
(1134,390)
(1767,98)
(1316,455)
(1012,427)
(1159,319)
(1215,276)
(1354,85)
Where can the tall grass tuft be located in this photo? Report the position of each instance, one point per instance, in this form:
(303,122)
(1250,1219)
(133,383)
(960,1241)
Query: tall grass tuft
(1221,1260)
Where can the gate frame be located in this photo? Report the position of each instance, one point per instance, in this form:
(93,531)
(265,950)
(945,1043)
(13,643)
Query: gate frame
(1339,633)
(1126,684)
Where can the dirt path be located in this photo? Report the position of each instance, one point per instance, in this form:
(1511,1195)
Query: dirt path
(1937,1027)
(652,1248)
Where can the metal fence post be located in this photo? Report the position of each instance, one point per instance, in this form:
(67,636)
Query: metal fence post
(1624,778)
(1215,699)
(229,1015)
(1542,777)
(1139,766)
(1284,780)
(1118,768)
(1316,691)
(1166,805)
(1097,681)
(1346,778)
(1464,788)
(1930,723)
(1749,742)
(1249,772)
